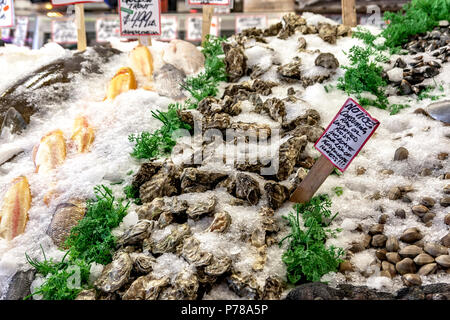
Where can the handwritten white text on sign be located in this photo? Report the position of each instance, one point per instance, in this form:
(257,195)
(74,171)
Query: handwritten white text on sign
(107,29)
(64,31)
(6,13)
(346,134)
(20,32)
(247,22)
(140,17)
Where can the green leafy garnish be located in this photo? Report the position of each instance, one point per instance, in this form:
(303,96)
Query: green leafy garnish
(306,256)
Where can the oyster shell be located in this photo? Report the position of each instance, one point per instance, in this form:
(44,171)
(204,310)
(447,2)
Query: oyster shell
(199,209)
(235,61)
(221,222)
(195,180)
(274,108)
(86,295)
(258,265)
(244,286)
(327,60)
(185,288)
(171,241)
(146,288)
(311,117)
(115,274)
(145,173)
(291,72)
(163,183)
(218,266)
(210,106)
(288,154)
(142,262)
(327,32)
(312,133)
(277,194)
(137,233)
(192,254)
(273,289)
(247,188)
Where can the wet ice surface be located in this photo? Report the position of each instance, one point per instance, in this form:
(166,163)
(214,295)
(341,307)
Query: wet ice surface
(109,161)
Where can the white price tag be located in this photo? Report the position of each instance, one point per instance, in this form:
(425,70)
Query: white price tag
(247,22)
(6,13)
(194,27)
(169,28)
(107,28)
(346,134)
(69,2)
(20,32)
(64,31)
(140,17)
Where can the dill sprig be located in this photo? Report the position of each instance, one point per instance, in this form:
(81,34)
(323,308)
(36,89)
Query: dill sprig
(306,256)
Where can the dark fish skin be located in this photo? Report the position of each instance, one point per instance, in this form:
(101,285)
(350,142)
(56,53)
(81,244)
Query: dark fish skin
(19,286)
(440,111)
(29,94)
(168,81)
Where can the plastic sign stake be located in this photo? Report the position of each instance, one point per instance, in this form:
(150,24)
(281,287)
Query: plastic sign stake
(349,13)
(339,144)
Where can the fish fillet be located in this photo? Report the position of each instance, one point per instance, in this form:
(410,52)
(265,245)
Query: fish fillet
(51,151)
(142,61)
(14,213)
(82,134)
(123,81)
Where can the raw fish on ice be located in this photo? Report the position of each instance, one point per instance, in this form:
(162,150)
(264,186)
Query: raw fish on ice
(168,81)
(123,81)
(51,152)
(83,134)
(14,214)
(184,56)
(142,61)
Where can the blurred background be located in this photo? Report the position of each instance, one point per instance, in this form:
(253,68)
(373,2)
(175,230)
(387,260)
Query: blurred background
(36,20)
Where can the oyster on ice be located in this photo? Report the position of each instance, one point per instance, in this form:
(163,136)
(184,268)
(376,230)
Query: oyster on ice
(115,274)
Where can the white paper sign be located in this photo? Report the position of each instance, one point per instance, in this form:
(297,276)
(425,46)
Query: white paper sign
(6,33)
(107,28)
(346,134)
(140,17)
(20,32)
(247,22)
(6,13)
(68,2)
(169,28)
(194,27)
(209,2)
(64,31)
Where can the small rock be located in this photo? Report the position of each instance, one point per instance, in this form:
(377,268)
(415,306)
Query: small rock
(400,213)
(428,218)
(443,156)
(444,261)
(423,259)
(447,189)
(447,219)
(445,202)
(366,241)
(405,266)
(361,170)
(428,202)
(394,193)
(379,240)
(376,229)
(427,269)
(392,244)
(411,279)
(381,254)
(435,249)
(446,240)
(399,63)
(389,267)
(406,199)
(411,235)
(410,251)
(419,210)
(395,75)
(401,154)
(405,88)
(345,266)
(393,257)
(383,219)
(385,273)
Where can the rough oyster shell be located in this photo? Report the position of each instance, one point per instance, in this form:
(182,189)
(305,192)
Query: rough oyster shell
(288,154)
(277,194)
(199,209)
(170,242)
(192,254)
(67,215)
(221,222)
(247,188)
(244,286)
(218,266)
(146,288)
(115,274)
(137,233)
(164,183)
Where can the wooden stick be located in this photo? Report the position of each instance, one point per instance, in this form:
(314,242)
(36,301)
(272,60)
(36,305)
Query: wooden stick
(81,27)
(312,182)
(208,12)
(349,13)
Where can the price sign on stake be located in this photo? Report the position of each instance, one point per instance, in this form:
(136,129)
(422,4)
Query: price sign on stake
(106,29)
(140,17)
(6,13)
(339,144)
(64,31)
(169,28)
(247,22)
